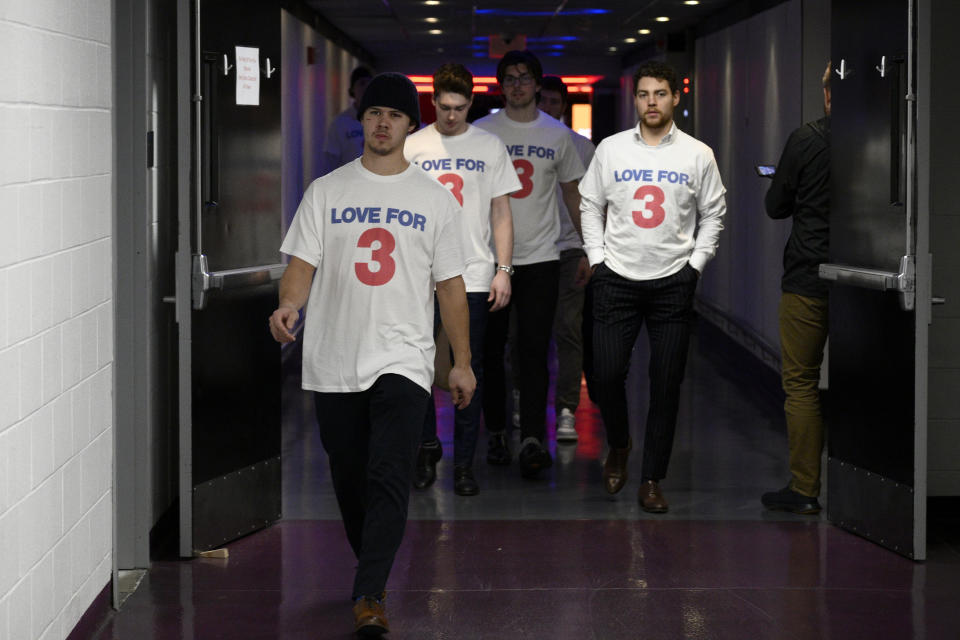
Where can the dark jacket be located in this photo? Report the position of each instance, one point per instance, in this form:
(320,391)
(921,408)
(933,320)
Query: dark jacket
(801,188)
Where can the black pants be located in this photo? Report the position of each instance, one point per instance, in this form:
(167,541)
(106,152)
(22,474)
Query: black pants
(371,438)
(534,295)
(620,307)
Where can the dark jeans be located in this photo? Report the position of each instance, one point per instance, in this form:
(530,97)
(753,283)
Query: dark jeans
(620,307)
(535,299)
(466,422)
(371,438)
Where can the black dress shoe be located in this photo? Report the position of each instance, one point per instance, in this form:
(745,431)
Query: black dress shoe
(463,482)
(426,471)
(498,453)
(533,459)
(615,467)
(789,500)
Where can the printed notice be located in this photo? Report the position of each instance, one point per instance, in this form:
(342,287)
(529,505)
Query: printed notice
(248,75)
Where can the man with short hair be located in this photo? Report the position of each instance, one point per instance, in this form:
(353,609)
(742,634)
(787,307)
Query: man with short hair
(544,156)
(574,273)
(366,246)
(345,135)
(652,205)
(475,166)
(801,192)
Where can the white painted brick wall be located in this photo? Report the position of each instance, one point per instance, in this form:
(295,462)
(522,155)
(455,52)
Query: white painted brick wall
(56,313)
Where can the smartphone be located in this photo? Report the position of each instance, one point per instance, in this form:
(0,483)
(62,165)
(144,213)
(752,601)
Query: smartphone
(766,170)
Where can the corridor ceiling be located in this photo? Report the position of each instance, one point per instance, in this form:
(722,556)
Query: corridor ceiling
(392,29)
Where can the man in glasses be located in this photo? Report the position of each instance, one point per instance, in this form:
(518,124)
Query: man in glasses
(544,156)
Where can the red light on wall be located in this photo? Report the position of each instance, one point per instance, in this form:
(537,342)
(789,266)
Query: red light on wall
(686,89)
(686,81)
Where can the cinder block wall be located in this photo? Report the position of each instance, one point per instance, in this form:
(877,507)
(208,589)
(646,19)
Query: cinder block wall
(56,333)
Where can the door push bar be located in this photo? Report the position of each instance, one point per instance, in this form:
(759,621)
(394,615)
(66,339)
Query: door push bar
(204,280)
(904,283)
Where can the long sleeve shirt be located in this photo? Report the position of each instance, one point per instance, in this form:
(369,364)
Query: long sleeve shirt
(801,190)
(646,211)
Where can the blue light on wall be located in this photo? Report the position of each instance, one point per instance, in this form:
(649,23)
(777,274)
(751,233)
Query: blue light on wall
(537,14)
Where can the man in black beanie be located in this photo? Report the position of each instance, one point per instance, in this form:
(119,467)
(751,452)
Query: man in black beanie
(366,245)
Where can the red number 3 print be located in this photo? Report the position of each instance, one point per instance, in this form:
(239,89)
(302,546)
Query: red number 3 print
(455,183)
(525,173)
(380,255)
(652,213)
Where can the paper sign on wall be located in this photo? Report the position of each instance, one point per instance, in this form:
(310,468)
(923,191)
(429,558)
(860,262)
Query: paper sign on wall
(248,75)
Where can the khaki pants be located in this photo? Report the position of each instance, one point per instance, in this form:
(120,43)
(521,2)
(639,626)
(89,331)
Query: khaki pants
(803,333)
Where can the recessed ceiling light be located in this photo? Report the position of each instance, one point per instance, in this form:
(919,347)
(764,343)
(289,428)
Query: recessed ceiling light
(691,2)
(432,19)
(613,49)
(432,3)
(663,19)
(435,32)
(629,40)
(644,32)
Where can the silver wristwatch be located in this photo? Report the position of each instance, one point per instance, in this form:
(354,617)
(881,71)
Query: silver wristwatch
(506,267)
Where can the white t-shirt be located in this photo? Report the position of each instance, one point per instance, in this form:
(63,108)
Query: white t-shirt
(569,238)
(653,197)
(543,155)
(379,244)
(476,168)
(344,138)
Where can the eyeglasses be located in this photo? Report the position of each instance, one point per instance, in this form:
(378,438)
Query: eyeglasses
(524,80)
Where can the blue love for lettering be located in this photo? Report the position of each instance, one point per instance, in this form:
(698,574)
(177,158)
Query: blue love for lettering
(439,164)
(646,175)
(356,214)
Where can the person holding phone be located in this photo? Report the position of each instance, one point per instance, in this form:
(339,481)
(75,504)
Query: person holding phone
(801,192)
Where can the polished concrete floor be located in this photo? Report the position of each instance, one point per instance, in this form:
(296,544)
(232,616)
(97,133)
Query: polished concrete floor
(557,558)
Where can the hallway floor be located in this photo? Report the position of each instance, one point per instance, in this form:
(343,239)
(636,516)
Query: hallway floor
(558,558)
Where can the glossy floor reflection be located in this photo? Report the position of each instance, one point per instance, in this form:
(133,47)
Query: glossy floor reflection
(557,558)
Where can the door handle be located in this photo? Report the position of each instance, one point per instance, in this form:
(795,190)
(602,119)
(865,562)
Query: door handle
(904,282)
(205,280)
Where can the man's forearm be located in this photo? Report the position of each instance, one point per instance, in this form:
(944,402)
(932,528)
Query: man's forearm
(295,284)
(571,198)
(501,219)
(452,300)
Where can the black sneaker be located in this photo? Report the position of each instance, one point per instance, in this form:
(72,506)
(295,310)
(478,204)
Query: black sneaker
(533,458)
(426,470)
(464,483)
(498,453)
(789,500)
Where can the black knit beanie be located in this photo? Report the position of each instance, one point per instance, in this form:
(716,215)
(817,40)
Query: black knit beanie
(392,90)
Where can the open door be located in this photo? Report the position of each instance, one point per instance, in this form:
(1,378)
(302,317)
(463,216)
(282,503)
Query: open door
(227,267)
(876,440)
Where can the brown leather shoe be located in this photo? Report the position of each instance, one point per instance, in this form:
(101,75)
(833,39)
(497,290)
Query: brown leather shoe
(370,617)
(651,500)
(615,468)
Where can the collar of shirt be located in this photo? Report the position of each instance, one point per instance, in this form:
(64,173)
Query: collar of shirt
(665,140)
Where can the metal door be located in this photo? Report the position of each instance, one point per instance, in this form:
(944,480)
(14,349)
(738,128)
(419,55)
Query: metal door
(876,414)
(227,264)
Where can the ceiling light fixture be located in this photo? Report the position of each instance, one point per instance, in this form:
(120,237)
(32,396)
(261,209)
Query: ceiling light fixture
(612,49)
(432,3)
(629,40)
(644,32)
(691,2)
(435,32)
(431,20)
(663,19)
